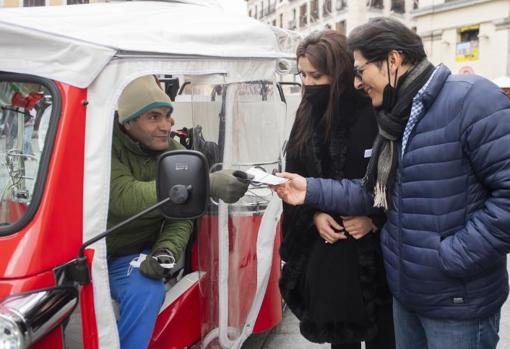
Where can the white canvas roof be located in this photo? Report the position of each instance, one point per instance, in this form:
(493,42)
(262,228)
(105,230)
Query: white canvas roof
(74,43)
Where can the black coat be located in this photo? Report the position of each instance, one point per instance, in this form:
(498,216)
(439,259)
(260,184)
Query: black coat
(333,288)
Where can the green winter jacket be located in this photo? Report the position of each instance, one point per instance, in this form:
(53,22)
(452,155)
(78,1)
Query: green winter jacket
(133,189)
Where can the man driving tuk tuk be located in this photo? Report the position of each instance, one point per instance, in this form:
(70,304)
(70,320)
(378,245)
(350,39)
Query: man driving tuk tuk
(143,254)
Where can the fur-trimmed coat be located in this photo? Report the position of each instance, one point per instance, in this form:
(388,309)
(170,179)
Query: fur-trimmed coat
(333,288)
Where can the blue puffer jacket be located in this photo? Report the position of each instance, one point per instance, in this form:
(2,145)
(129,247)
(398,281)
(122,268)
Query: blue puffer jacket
(448,229)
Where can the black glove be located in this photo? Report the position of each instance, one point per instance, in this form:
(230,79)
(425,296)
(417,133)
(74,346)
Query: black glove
(158,264)
(228,185)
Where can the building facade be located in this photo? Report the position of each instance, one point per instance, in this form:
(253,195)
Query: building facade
(341,15)
(29,3)
(468,36)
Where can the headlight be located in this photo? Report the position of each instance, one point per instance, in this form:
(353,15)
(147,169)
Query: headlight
(27,317)
(10,333)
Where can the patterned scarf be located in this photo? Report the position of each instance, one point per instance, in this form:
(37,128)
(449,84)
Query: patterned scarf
(381,168)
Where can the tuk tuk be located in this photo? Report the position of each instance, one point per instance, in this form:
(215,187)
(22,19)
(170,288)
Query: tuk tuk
(62,70)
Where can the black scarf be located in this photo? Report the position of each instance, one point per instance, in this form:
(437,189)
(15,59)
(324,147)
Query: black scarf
(381,168)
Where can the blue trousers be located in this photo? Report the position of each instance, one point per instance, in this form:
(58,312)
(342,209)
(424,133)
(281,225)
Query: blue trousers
(139,298)
(418,332)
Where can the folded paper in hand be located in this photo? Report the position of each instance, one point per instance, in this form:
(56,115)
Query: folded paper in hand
(260,176)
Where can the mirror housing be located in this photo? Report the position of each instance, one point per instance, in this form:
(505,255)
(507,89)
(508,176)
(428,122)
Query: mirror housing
(183,176)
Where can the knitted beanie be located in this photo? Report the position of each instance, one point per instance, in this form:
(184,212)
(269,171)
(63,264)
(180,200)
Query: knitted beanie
(140,96)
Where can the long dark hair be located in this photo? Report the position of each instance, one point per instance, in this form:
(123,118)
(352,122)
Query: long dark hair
(327,52)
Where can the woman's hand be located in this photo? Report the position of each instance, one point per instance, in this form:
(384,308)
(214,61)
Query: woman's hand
(328,228)
(358,226)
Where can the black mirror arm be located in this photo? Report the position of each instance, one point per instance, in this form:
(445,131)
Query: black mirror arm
(120,225)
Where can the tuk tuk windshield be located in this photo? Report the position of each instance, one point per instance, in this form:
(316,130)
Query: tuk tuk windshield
(25,109)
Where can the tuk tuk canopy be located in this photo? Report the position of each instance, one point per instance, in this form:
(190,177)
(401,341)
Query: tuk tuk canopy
(73,44)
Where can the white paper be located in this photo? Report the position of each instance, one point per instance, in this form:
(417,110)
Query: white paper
(260,176)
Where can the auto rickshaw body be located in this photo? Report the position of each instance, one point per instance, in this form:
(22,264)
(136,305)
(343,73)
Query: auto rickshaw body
(62,70)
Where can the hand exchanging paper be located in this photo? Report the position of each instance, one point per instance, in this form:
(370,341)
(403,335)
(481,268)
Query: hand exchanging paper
(293,192)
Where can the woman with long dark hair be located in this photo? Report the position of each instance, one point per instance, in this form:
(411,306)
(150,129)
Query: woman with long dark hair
(333,279)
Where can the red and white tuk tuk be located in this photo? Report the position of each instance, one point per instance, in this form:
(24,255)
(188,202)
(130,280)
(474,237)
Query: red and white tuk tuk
(62,70)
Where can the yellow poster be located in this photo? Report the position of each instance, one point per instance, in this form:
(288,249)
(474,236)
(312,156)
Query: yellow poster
(467,49)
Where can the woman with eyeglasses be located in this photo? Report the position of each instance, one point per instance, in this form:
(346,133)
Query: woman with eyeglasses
(333,279)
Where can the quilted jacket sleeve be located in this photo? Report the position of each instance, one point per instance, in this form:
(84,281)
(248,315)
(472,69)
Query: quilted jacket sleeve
(129,196)
(485,238)
(174,236)
(346,197)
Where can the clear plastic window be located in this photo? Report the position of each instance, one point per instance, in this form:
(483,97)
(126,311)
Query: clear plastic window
(25,112)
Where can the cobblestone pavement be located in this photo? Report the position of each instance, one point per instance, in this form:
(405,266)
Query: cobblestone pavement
(287,336)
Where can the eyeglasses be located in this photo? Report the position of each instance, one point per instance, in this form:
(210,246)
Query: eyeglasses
(358,71)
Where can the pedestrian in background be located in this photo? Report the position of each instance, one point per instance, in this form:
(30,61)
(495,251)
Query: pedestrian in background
(333,279)
(440,166)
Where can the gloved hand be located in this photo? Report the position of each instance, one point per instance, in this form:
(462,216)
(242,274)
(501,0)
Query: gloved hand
(228,185)
(158,264)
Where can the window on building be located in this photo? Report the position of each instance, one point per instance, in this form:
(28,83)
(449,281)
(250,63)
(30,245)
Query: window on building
(292,22)
(378,4)
(281,20)
(30,3)
(249,13)
(398,6)
(256,12)
(340,27)
(469,34)
(76,2)
(262,9)
(303,16)
(326,8)
(416,4)
(314,10)
(341,4)
(467,45)
(271,7)
(274,22)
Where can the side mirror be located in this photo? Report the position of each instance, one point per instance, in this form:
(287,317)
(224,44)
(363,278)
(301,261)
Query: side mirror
(183,176)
